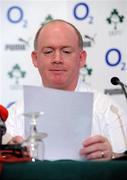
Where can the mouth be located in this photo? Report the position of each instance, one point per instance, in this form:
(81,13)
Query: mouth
(57,70)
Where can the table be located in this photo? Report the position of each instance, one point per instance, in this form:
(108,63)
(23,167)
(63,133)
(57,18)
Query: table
(65,170)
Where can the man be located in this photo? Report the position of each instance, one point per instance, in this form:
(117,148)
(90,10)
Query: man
(58,54)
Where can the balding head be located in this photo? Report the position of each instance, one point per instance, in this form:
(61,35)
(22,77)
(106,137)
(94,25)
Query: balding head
(65,24)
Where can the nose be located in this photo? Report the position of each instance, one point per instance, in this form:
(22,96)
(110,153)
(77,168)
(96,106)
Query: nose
(57,57)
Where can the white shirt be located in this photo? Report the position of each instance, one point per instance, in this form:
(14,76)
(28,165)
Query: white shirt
(108,119)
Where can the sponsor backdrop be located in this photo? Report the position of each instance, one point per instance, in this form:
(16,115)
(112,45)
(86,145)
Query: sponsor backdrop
(102,23)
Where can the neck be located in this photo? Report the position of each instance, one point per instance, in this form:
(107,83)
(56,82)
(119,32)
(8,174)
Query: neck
(66,88)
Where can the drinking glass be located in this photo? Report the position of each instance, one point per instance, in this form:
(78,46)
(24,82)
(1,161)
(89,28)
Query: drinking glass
(34,142)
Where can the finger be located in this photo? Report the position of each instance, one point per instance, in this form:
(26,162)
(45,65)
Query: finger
(16,140)
(94,147)
(93,140)
(98,155)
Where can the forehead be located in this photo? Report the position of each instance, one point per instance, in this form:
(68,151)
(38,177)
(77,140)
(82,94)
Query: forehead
(54,29)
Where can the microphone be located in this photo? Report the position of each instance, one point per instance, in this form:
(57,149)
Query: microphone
(116,81)
(115,110)
(3,117)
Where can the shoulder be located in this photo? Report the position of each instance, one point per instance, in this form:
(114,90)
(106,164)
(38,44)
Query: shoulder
(102,103)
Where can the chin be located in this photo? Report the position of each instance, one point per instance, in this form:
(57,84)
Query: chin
(57,86)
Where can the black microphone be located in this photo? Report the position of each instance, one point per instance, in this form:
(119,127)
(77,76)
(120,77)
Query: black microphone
(3,117)
(116,81)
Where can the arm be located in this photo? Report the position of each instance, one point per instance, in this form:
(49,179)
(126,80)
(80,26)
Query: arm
(109,131)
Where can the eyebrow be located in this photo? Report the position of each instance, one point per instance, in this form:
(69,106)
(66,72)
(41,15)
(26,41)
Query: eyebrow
(53,47)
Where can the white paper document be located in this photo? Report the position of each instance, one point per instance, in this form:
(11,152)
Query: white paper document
(67,119)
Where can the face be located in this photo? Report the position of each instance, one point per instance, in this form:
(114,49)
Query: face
(58,56)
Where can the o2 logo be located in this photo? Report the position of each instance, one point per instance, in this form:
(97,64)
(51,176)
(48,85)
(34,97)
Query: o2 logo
(15,15)
(81,7)
(113,58)
(81,12)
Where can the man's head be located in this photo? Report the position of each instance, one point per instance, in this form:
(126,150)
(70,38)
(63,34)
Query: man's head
(59,54)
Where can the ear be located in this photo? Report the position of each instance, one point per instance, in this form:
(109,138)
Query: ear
(34,58)
(83,56)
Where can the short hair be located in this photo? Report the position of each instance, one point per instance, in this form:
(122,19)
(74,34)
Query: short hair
(59,20)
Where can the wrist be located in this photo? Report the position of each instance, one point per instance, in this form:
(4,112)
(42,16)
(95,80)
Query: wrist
(113,155)
(117,155)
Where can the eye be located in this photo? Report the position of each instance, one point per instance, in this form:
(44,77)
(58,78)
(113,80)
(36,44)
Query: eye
(47,51)
(67,51)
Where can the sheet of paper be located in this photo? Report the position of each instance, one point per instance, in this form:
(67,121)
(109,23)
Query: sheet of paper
(67,119)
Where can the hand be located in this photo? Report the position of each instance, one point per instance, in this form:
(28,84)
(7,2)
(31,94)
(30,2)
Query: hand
(19,140)
(16,140)
(96,148)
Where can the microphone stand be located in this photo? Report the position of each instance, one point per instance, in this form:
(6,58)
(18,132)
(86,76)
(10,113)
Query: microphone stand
(116,81)
(2,130)
(124,157)
(124,90)
(0,136)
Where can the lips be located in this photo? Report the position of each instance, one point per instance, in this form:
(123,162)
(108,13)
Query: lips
(57,70)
